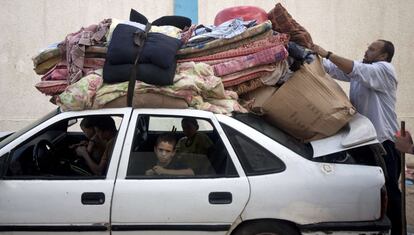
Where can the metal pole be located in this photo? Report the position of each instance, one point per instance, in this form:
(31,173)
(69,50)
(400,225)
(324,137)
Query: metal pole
(403,209)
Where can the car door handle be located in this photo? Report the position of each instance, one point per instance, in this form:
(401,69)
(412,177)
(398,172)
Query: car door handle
(93,198)
(220,198)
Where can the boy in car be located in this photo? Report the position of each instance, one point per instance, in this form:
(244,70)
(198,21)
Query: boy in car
(164,149)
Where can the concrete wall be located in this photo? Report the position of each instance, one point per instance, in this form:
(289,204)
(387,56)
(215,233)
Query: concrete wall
(344,27)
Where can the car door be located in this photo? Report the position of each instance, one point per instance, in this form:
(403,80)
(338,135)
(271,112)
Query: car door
(208,202)
(36,201)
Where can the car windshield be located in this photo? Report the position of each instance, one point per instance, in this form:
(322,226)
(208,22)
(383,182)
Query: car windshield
(305,150)
(16,134)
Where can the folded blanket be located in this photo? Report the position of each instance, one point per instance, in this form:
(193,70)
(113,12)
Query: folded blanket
(248,74)
(75,45)
(266,56)
(52,55)
(193,82)
(244,49)
(80,95)
(247,86)
(249,33)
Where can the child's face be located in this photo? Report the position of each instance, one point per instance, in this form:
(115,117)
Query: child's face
(165,152)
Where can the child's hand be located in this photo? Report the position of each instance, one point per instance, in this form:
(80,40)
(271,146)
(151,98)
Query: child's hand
(159,170)
(149,172)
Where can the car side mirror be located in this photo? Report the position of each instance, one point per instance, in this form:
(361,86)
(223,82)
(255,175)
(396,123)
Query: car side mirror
(72,122)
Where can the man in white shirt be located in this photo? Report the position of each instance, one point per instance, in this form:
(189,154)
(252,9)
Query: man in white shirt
(373,93)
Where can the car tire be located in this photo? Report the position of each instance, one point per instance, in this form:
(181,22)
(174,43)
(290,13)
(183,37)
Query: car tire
(266,228)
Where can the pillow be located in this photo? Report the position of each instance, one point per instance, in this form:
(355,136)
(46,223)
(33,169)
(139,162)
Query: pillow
(245,12)
(54,87)
(283,22)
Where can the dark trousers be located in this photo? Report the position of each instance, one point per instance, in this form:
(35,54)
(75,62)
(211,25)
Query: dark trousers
(393,165)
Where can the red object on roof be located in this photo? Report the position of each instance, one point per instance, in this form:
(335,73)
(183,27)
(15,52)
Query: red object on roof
(246,12)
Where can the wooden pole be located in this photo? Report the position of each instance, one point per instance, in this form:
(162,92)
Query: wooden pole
(403,209)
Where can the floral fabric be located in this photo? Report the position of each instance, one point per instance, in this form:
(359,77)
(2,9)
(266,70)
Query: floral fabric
(80,95)
(193,82)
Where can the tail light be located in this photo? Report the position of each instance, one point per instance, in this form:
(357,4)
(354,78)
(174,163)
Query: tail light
(384,201)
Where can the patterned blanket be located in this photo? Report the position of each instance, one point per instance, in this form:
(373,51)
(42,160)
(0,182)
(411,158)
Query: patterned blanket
(220,43)
(193,82)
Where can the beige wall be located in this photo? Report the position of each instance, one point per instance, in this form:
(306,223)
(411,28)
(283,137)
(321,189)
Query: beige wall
(345,27)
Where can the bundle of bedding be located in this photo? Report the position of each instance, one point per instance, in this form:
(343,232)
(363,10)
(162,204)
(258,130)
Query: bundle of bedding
(249,57)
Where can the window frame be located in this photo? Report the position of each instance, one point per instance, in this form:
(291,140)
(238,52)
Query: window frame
(249,171)
(47,125)
(214,131)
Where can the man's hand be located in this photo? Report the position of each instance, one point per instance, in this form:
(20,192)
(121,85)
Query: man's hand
(319,50)
(404,143)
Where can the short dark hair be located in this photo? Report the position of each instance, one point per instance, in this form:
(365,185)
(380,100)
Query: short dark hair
(191,121)
(388,48)
(105,123)
(166,137)
(87,122)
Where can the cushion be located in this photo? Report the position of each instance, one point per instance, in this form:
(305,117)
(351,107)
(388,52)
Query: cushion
(283,22)
(52,87)
(245,12)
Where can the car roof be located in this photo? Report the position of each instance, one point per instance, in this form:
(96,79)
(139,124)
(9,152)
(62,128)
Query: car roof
(358,132)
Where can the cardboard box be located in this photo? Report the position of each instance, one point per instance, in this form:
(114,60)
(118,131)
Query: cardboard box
(310,105)
(257,98)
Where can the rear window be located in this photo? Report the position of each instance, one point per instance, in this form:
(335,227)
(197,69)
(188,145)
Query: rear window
(369,155)
(259,124)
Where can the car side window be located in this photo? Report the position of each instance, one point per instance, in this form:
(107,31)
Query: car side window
(65,150)
(177,147)
(254,158)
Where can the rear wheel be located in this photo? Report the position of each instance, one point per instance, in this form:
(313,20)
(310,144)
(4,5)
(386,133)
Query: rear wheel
(266,228)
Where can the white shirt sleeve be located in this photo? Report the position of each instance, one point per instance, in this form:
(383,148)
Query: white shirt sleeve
(379,76)
(334,71)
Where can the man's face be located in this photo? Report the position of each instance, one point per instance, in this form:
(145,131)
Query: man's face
(165,152)
(89,132)
(103,134)
(374,53)
(188,129)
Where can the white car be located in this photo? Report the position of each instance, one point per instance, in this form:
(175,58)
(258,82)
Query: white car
(261,180)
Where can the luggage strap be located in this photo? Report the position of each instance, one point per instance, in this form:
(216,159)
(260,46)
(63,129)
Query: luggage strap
(139,40)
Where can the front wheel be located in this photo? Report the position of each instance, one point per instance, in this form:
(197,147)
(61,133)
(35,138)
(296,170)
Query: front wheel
(266,228)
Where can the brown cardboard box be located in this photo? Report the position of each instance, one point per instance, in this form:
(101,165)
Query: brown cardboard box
(310,105)
(258,97)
